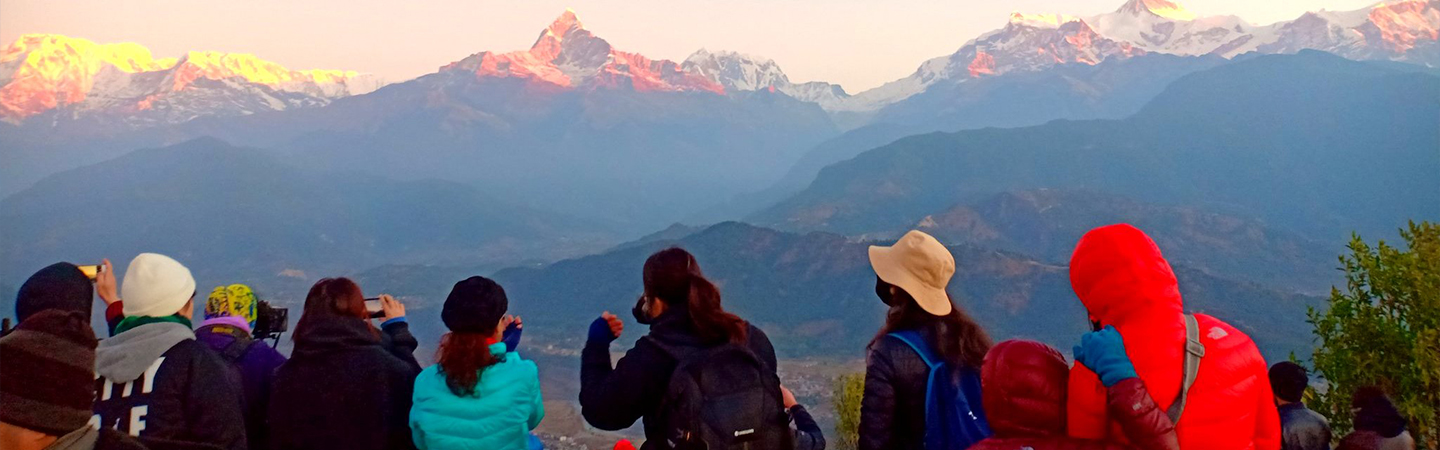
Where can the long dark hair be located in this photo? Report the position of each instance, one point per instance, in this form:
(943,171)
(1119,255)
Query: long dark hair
(674,276)
(958,338)
(332,297)
(461,357)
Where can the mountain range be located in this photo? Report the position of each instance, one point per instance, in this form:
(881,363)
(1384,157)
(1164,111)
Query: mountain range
(240,214)
(1293,140)
(48,79)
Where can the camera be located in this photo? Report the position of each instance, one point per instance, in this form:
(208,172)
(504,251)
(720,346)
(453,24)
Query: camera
(270,321)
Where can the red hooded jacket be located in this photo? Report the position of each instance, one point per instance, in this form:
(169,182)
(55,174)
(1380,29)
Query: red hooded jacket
(1124,281)
(1023,386)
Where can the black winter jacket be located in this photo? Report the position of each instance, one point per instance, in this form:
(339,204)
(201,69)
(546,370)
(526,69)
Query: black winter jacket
(612,399)
(343,389)
(892,412)
(156,381)
(1303,429)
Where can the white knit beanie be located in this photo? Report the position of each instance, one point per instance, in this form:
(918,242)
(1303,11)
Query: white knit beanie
(156,286)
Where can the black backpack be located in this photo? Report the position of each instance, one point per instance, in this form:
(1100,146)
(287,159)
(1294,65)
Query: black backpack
(723,398)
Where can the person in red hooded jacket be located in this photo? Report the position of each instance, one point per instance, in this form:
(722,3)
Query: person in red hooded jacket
(1023,387)
(1124,281)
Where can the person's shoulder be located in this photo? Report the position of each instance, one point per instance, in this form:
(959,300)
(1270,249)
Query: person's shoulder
(1317,417)
(514,361)
(430,379)
(112,439)
(194,351)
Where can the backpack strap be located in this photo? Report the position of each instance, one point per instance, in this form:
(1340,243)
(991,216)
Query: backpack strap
(1194,351)
(916,342)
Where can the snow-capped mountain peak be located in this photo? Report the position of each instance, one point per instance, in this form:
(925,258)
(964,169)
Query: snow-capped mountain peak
(739,72)
(40,73)
(562,26)
(736,71)
(1158,8)
(1041,20)
(566,55)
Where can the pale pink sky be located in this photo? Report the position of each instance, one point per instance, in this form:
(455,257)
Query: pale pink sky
(859,44)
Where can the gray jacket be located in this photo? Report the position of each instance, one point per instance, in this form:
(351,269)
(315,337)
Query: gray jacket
(1303,429)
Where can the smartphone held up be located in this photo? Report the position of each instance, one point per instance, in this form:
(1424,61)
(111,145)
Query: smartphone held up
(92,271)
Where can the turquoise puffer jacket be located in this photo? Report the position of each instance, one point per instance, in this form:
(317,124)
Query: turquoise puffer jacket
(506,405)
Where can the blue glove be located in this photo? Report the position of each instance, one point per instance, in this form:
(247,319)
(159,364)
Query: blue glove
(511,337)
(600,331)
(1104,352)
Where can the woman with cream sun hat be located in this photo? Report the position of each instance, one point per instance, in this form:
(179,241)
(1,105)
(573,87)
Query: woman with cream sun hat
(922,324)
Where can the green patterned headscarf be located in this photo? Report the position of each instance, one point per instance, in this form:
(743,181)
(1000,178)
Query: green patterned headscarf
(236,300)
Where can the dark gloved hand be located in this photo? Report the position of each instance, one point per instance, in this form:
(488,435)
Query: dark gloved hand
(511,337)
(1104,352)
(600,331)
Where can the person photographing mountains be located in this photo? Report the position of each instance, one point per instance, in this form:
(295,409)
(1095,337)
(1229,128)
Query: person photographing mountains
(662,379)
(347,384)
(480,394)
(156,380)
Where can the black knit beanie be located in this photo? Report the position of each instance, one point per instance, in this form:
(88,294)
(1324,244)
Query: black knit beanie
(47,381)
(60,286)
(1288,381)
(475,305)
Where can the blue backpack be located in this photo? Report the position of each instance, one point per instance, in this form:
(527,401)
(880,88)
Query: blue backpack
(954,415)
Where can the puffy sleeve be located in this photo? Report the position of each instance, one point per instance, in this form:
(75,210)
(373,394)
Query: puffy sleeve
(1144,423)
(1267,417)
(1085,414)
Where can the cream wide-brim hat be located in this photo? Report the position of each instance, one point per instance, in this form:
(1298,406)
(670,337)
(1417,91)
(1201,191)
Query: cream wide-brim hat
(920,265)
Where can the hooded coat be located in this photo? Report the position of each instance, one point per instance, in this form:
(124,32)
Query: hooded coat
(1024,394)
(156,381)
(1120,275)
(344,388)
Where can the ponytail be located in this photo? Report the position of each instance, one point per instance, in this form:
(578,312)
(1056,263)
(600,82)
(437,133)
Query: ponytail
(712,324)
(462,356)
(674,275)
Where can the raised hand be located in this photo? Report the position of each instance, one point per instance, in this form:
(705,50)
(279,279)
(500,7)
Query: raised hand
(105,285)
(393,308)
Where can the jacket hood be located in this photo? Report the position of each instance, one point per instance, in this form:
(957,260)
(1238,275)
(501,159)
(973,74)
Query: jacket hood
(1119,273)
(1023,387)
(124,357)
(331,333)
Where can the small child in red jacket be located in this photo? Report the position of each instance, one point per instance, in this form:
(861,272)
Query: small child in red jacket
(1024,384)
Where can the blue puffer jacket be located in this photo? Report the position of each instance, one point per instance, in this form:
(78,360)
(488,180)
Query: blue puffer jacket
(506,405)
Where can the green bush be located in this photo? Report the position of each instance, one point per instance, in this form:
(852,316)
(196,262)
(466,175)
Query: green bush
(1383,329)
(849,389)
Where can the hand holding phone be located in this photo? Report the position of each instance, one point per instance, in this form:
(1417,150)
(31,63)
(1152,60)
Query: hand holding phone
(393,308)
(105,286)
(374,308)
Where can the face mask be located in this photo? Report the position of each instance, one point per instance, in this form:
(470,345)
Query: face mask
(882,290)
(642,312)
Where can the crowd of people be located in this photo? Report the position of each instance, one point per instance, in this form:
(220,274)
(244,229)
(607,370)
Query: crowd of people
(1148,377)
